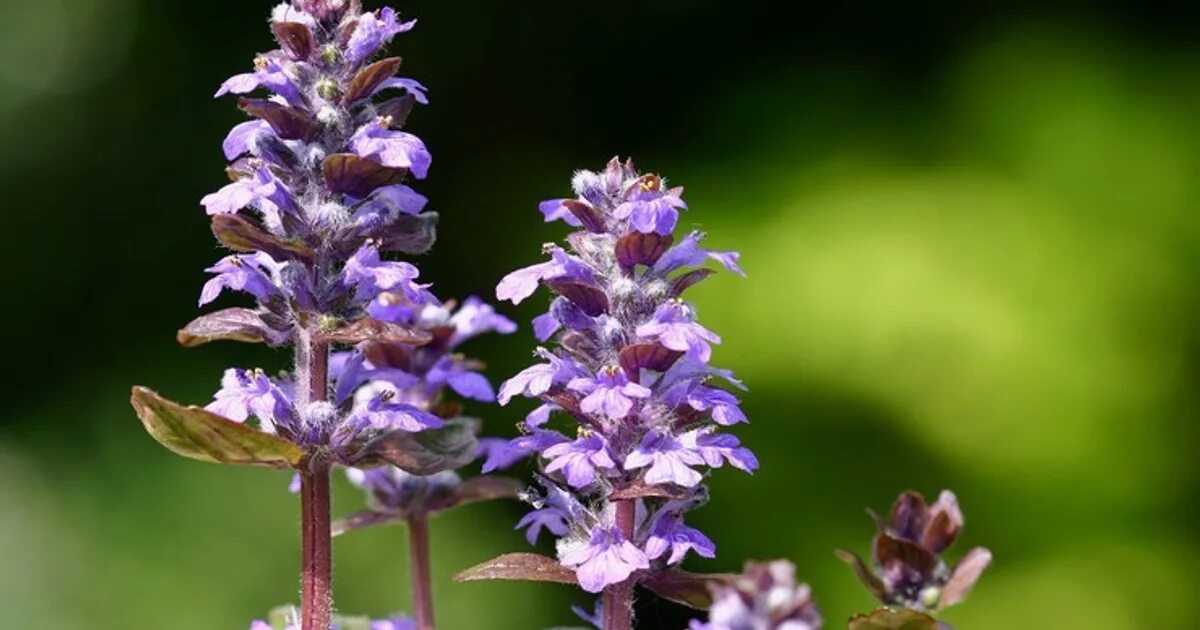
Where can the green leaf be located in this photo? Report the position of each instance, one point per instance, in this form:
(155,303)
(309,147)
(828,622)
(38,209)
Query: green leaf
(425,452)
(202,435)
(890,619)
(683,587)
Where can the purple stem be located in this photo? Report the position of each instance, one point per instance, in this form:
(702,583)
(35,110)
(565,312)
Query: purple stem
(618,598)
(316,583)
(316,605)
(418,559)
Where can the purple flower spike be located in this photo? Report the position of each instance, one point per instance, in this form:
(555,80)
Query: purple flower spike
(628,364)
(316,207)
(606,558)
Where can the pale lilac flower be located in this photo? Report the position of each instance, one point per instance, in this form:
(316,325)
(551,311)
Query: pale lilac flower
(652,210)
(764,597)
(247,393)
(669,461)
(671,534)
(374,31)
(579,460)
(372,276)
(609,394)
(538,379)
(256,274)
(606,558)
(454,373)
(262,191)
(395,149)
(675,327)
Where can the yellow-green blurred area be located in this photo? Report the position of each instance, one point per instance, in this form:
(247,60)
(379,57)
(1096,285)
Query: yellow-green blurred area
(972,242)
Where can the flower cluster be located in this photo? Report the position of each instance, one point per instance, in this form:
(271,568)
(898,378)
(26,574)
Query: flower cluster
(764,597)
(908,569)
(315,204)
(631,368)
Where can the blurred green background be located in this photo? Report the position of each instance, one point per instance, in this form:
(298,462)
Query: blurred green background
(971,235)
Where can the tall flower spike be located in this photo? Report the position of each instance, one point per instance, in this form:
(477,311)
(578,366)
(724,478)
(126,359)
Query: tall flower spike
(316,204)
(908,570)
(630,369)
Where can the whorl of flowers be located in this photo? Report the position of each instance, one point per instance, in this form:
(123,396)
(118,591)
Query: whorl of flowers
(764,597)
(629,368)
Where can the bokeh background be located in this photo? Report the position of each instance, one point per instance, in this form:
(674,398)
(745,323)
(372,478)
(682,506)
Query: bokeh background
(971,236)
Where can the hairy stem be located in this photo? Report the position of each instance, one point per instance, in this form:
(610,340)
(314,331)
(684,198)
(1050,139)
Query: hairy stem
(618,598)
(418,560)
(317,543)
(312,377)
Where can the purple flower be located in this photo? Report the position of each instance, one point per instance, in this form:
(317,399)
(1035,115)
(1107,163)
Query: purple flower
(453,372)
(670,461)
(675,327)
(606,558)
(395,623)
(716,449)
(580,459)
(688,253)
(372,276)
(548,518)
(650,209)
(418,91)
(395,149)
(262,191)
(556,210)
(244,393)
(500,454)
(595,618)
(385,205)
(373,32)
(722,406)
(671,534)
(256,274)
(609,394)
(476,317)
(538,379)
(242,137)
(381,414)
(765,597)
(392,490)
(520,284)
(268,74)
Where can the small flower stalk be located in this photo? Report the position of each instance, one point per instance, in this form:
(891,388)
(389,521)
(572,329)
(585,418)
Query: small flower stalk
(908,573)
(315,208)
(629,374)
